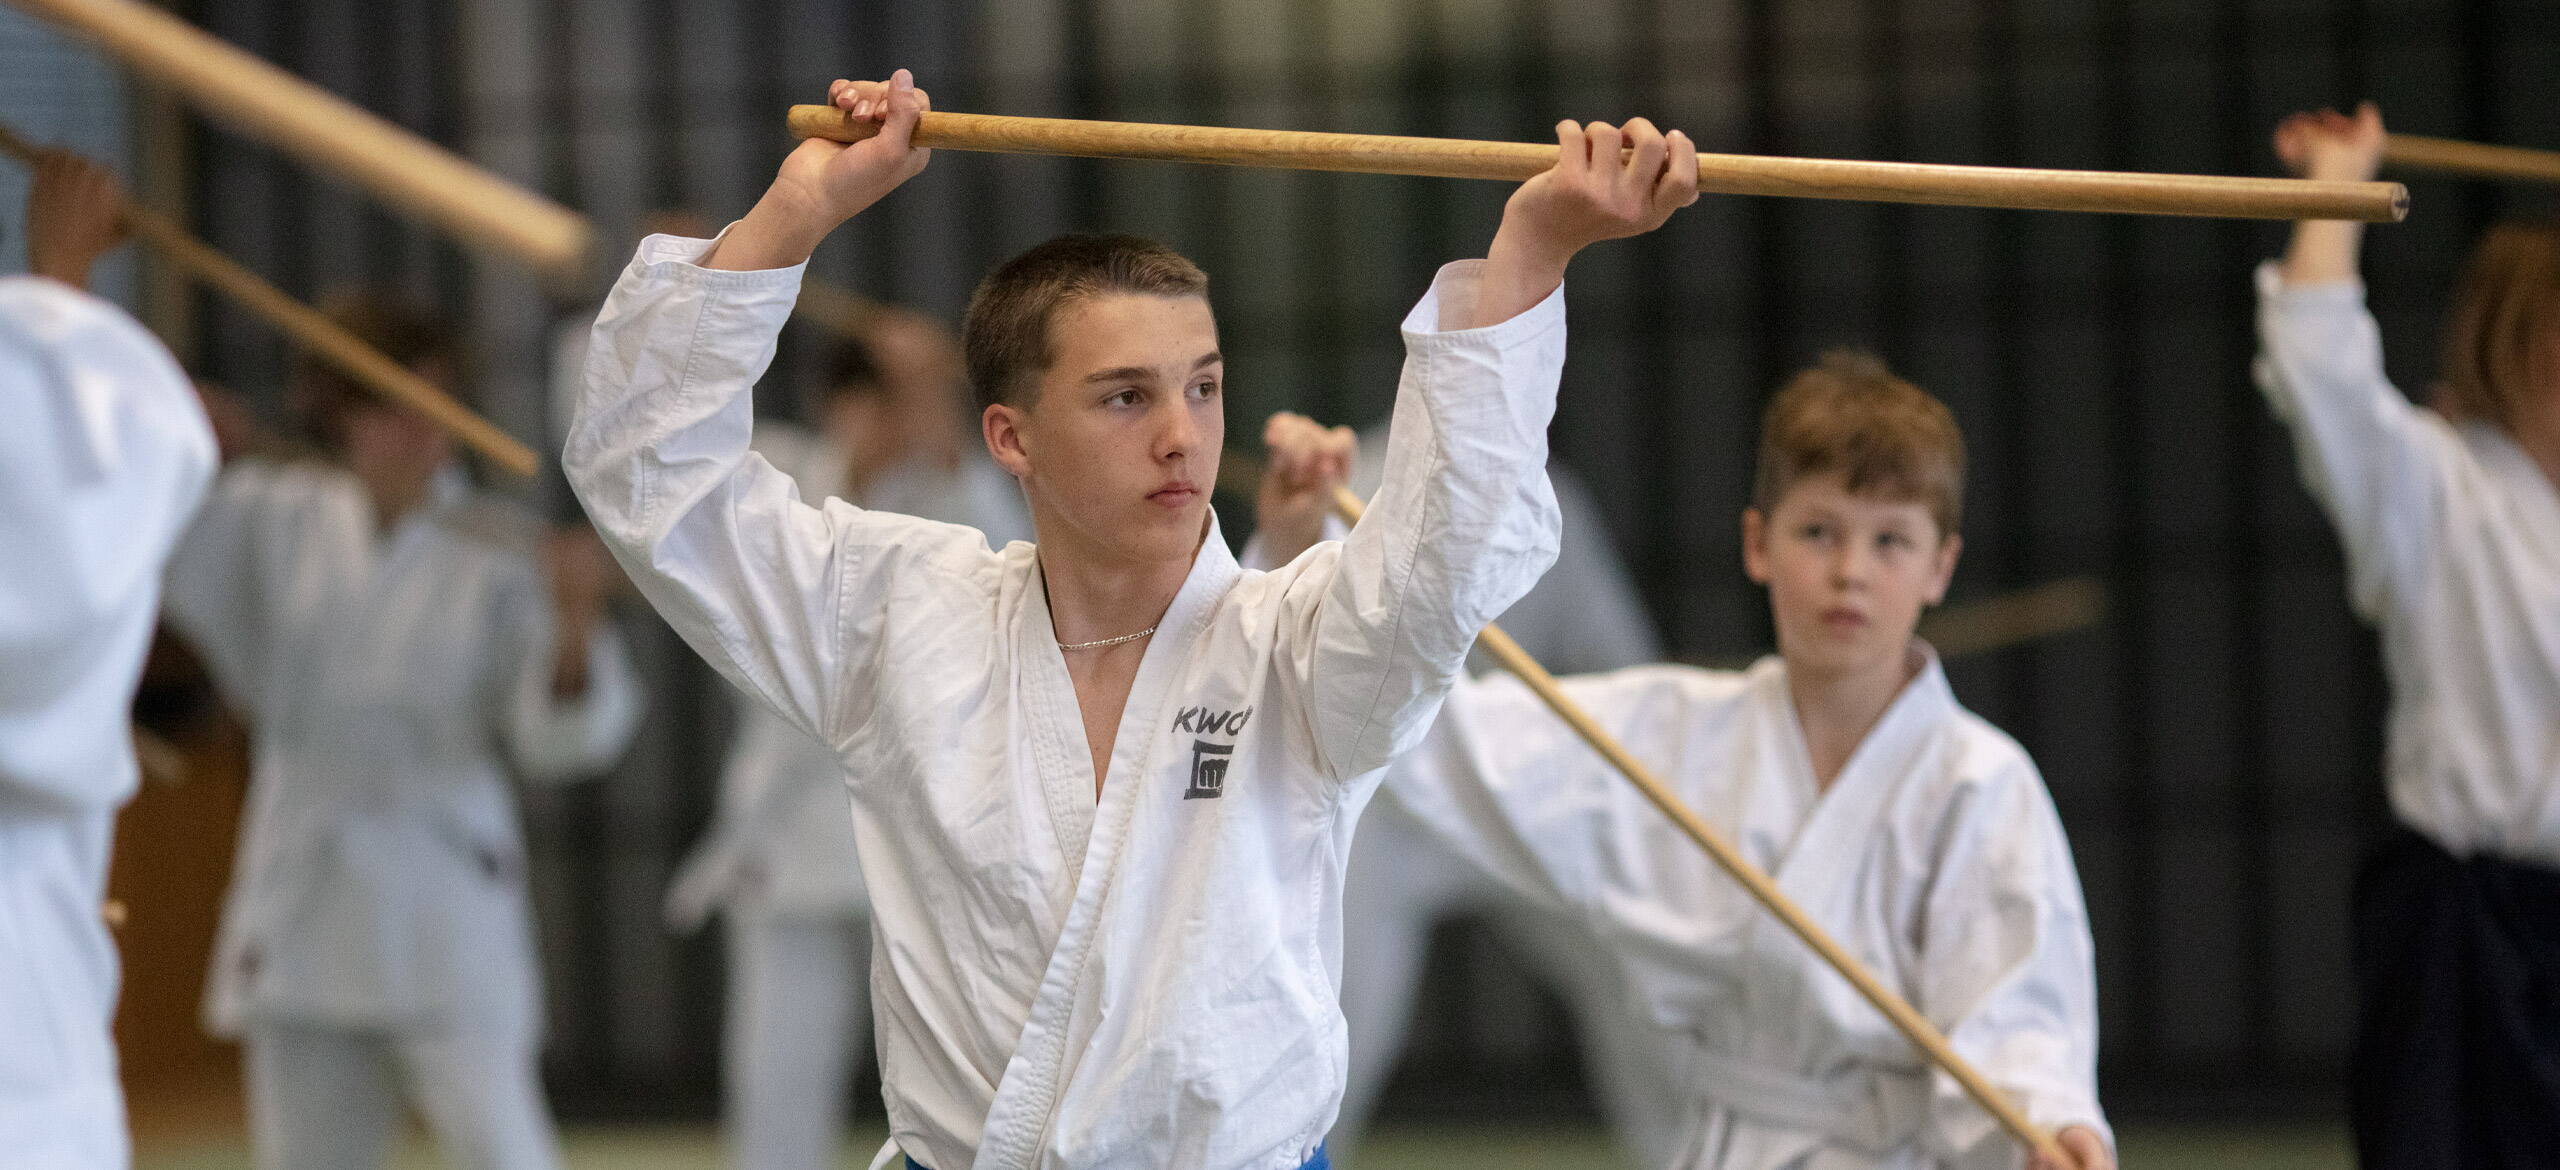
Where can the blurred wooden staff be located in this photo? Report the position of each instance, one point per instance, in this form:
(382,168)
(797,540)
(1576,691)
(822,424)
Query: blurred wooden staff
(836,309)
(2479,160)
(1728,174)
(2011,619)
(1914,1027)
(310,328)
(403,169)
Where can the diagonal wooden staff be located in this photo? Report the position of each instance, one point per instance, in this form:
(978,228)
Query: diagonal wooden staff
(1914,1027)
(403,169)
(1728,174)
(2479,160)
(311,329)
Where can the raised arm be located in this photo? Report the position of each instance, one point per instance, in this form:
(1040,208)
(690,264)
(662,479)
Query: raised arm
(1464,521)
(2376,462)
(778,594)
(1511,787)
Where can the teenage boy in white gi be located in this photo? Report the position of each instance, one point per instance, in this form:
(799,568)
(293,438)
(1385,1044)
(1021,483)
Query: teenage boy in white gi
(1102,787)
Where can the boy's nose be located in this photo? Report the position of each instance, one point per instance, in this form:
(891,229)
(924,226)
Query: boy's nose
(1178,435)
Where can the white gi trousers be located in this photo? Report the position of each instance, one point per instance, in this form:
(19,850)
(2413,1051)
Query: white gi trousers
(799,1016)
(326,1097)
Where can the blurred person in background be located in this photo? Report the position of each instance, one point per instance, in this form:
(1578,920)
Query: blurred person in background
(405,648)
(104,454)
(2450,514)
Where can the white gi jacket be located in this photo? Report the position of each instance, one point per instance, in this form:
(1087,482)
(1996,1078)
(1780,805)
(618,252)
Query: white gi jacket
(392,683)
(103,454)
(1935,858)
(781,843)
(2452,537)
(1144,982)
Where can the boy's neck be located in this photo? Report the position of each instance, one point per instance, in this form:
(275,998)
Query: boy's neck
(1093,596)
(1836,710)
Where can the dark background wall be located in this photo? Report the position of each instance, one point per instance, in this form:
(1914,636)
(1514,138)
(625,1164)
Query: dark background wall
(2213,746)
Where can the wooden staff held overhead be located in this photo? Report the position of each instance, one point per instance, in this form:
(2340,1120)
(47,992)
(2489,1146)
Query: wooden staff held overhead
(401,168)
(2479,160)
(1914,1027)
(311,329)
(1729,174)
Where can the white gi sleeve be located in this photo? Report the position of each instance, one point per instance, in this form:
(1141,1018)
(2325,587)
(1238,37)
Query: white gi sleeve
(776,594)
(2377,462)
(1508,785)
(213,594)
(1378,626)
(2007,970)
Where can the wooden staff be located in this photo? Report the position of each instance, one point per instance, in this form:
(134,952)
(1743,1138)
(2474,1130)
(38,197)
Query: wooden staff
(311,329)
(2479,160)
(1729,174)
(838,310)
(1913,1026)
(264,102)
(1998,623)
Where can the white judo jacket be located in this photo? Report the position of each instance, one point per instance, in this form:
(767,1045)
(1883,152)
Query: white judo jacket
(394,683)
(1059,983)
(781,844)
(1935,857)
(103,454)
(2452,536)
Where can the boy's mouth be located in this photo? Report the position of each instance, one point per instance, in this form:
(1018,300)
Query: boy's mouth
(1842,619)
(1174,495)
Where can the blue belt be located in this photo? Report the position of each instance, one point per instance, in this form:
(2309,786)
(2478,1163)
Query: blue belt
(1318,1162)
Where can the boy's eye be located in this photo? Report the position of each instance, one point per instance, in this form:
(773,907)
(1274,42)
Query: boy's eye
(1893,540)
(1814,531)
(1123,398)
(1205,390)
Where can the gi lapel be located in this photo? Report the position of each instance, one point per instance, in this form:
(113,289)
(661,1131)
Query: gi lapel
(1823,868)
(1034,1078)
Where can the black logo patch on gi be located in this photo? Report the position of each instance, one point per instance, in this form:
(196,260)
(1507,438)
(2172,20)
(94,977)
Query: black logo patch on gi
(1208,769)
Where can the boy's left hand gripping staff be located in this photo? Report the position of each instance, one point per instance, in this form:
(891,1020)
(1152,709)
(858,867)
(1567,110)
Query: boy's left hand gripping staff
(1906,1019)
(311,329)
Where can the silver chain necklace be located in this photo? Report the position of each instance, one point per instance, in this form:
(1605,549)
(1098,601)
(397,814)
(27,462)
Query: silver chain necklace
(1106,641)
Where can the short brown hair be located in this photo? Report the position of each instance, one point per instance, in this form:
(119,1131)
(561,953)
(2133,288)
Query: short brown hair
(2504,315)
(1006,335)
(1849,415)
(407,333)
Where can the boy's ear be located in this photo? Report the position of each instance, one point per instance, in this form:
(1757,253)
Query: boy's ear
(1950,547)
(1755,548)
(1002,427)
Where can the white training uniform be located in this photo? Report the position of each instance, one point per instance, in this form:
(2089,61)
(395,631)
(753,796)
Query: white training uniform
(1935,858)
(1583,616)
(778,861)
(104,453)
(2452,537)
(1144,980)
(378,934)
